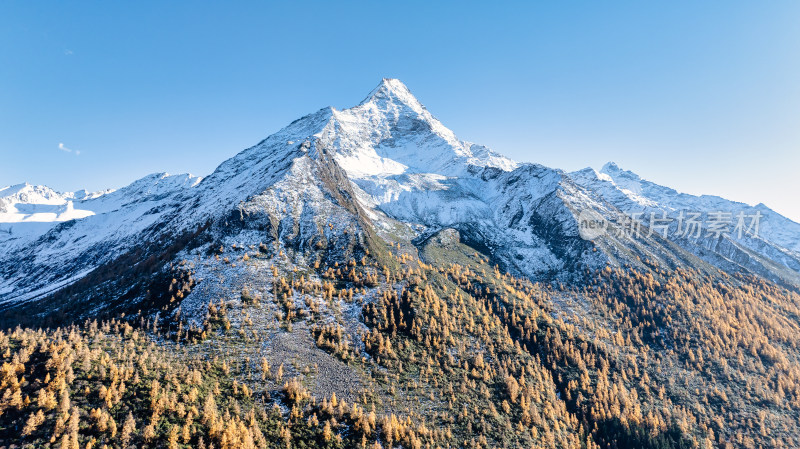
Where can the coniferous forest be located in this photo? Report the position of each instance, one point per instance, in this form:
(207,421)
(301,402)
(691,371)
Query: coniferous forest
(433,352)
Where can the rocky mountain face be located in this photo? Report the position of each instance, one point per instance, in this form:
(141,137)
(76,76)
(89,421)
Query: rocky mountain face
(343,181)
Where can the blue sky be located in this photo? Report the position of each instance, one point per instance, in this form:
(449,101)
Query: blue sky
(700,96)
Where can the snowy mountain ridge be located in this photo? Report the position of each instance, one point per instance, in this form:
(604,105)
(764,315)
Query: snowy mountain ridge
(385,166)
(28,211)
(630,192)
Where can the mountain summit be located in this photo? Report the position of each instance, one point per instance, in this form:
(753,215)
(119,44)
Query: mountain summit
(391,132)
(392,90)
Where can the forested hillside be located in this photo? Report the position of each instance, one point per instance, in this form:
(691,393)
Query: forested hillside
(444,350)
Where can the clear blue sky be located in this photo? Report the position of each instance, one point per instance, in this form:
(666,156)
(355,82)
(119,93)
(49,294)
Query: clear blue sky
(701,96)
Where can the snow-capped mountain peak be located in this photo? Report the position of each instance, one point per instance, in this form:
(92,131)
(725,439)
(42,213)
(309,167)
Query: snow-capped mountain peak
(393,92)
(612,168)
(386,164)
(28,194)
(392,133)
(34,203)
(624,179)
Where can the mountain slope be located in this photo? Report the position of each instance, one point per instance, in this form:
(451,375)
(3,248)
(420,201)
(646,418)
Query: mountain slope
(769,249)
(40,254)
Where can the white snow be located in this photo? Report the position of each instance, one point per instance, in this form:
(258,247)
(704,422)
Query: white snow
(391,133)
